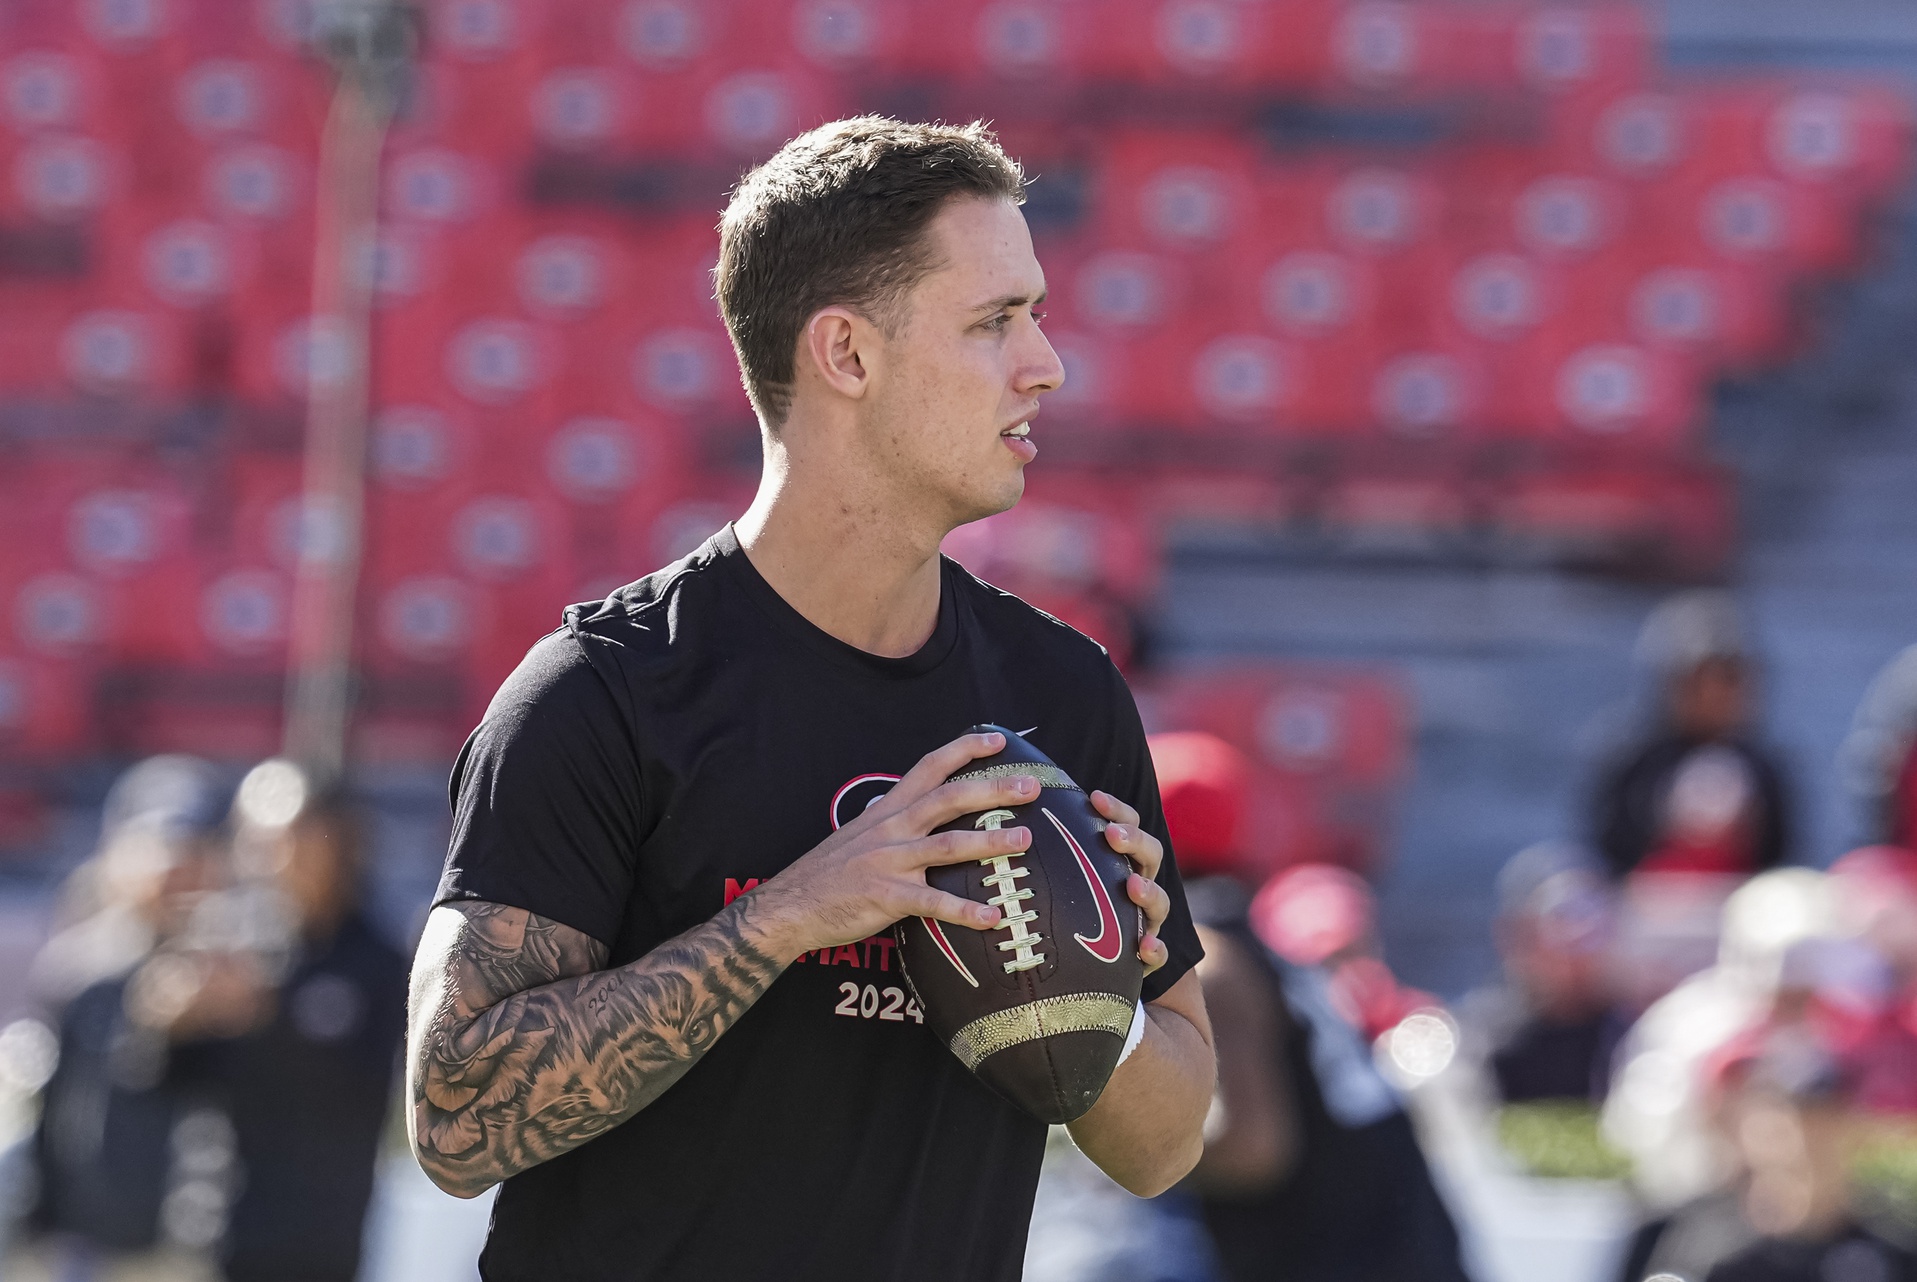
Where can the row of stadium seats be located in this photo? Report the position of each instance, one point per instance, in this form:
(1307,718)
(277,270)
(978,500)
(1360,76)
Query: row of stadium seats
(1358,45)
(1491,337)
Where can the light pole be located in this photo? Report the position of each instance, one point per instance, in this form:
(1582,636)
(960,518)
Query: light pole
(369,43)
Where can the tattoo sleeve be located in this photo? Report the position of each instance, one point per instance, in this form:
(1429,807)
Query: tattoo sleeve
(522,1048)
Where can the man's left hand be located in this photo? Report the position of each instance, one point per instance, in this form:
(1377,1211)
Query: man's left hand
(1146,853)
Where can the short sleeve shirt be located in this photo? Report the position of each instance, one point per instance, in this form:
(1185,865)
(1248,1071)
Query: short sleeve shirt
(665,751)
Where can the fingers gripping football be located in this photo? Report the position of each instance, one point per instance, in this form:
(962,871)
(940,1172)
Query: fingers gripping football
(1147,855)
(872,871)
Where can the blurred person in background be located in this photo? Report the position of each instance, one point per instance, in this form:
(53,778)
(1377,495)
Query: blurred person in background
(1549,1028)
(1312,1171)
(111,1112)
(1693,790)
(158,848)
(1791,1110)
(1874,1016)
(310,1078)
(1785,962)
(1879,755)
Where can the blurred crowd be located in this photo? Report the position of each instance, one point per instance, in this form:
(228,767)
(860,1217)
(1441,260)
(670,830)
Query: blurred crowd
(215,1057)
(1683,1012)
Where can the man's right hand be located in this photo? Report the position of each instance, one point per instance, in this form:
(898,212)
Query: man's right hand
(871,872)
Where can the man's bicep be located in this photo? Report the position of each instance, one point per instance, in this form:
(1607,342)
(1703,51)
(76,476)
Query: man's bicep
(474,954)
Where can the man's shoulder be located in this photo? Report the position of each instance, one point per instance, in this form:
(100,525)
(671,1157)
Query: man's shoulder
(640,614)
(607,647)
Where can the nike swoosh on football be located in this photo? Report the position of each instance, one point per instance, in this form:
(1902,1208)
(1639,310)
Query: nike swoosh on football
(1109,942)
(1023,733)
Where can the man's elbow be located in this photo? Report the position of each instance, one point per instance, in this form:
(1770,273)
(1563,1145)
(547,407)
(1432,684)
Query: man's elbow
(447,1178)
(1164,1169)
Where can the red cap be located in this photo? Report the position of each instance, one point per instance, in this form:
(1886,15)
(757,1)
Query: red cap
(1204,783)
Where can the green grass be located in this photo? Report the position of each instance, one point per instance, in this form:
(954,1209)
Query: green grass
(1559,1140)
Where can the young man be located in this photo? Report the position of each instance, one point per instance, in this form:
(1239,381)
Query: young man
(658,997)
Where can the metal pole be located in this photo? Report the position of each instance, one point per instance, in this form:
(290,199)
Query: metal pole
(369,42)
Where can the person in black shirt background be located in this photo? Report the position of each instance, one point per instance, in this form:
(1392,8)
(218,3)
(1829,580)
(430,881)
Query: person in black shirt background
(656,997)
(1550,1025)
(328,1026)
(1312,1170)
(1694,790)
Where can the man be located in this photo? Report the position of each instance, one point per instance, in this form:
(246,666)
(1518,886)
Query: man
(657,997)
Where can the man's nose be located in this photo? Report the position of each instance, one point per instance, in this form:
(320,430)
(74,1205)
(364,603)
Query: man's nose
(1042,371)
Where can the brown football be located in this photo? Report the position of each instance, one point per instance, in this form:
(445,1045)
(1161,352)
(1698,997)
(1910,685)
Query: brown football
(1039,1006)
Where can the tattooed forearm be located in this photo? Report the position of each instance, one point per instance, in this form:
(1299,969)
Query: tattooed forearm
(522,1048)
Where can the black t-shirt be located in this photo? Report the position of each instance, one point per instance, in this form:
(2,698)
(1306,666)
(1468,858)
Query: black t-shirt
(662,752)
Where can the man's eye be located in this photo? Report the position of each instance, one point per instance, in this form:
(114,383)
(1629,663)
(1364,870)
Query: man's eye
(1000,321)
(1038,317)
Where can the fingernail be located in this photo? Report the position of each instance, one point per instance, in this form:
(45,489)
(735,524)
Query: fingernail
(1117,832)
(1024,784)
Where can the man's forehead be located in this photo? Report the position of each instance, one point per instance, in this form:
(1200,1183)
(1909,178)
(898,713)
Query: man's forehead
(985,253)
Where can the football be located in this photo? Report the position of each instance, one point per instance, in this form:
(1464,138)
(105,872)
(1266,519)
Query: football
(1039,1006)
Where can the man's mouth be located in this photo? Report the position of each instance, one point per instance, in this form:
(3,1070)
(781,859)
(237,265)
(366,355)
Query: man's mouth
(1016,438)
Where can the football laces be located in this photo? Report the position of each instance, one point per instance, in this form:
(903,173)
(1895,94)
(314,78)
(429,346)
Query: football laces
(1009,899)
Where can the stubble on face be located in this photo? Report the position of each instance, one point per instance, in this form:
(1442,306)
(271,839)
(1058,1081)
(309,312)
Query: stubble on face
(959,371)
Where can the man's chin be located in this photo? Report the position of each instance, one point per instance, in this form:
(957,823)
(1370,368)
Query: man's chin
(980,505)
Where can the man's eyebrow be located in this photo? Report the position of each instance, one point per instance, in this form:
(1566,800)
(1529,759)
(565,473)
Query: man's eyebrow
(1013,300)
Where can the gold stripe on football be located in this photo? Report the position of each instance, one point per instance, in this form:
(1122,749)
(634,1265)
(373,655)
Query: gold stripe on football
(1071,1013)
(1047,776)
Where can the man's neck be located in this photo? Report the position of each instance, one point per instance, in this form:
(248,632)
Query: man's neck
(850,558)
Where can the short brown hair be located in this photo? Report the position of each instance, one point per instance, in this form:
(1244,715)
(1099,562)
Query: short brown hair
(838,216)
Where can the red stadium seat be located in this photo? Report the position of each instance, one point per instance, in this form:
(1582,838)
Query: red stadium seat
(1178,191)
(1308,293)
(1386,46)
(62,177)
(245,614)
(1058,43)
(1119,289)
(1433,394)
(1640,135)
(1859,137)
(1570,49)
(1212,44)
(1618,395)
(50,90)
(46,712)
(110,349)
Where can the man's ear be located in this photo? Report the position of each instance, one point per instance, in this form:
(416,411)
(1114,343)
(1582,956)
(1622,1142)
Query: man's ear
(838,346)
